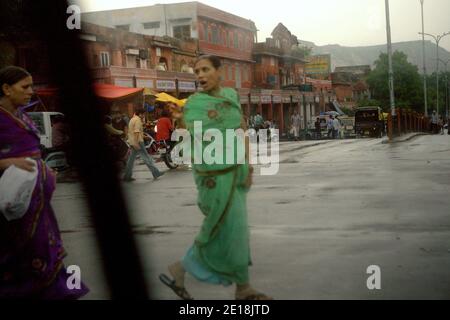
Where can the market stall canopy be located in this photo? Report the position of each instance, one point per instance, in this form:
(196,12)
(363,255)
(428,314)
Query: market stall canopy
(102,90)
(165,97)
(109,91)
(149,92)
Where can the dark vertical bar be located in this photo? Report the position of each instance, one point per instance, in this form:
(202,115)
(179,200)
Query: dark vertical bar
(89,149)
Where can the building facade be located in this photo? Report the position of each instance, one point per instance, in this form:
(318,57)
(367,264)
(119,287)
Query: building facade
(155,47)
(215,32)
(128,59)
(349,83)
(281,84)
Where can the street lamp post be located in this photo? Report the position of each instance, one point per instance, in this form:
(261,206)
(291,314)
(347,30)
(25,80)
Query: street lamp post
(437,38)
(424,64)
(445,63)
(389,47)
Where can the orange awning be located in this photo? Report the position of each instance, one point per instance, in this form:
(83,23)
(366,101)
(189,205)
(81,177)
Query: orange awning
(109,91)
(102,90)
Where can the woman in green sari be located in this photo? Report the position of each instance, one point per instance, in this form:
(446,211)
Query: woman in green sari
(221,252)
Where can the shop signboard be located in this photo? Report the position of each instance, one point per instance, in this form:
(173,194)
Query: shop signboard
(168,85)
(144,83)
(124,83)
(255,99)
(276,99)
(244,99)
(266,99)
(186,86)
(319,65)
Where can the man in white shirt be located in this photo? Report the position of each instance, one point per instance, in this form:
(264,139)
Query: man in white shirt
(330,128)
(136,141)
(295,123)
(434,122)
(336,128)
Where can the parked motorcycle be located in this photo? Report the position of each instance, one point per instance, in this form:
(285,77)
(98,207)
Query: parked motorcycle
(158,150)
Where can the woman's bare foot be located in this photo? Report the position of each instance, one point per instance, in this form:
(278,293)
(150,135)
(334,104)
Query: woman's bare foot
(177,271)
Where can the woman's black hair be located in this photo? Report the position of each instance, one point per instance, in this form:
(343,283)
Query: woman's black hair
(11,75)
(165,113)
(139,111)
(215,61)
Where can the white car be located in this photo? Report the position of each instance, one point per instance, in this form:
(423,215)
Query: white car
(55,159)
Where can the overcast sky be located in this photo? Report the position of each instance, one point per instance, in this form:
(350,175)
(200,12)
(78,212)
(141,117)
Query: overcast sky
(344,22)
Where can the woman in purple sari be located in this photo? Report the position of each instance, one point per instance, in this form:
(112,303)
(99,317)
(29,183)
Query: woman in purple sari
(31,250)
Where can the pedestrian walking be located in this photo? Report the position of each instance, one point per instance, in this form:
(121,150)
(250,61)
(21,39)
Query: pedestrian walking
(434,122)
(220,253)
(318,129)
(330,128)
(31,249)
(119,120)
(295,124)
(259,122)
(336,128)
(441,125)
(137,147)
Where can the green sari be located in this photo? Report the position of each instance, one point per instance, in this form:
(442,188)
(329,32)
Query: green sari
(220,253)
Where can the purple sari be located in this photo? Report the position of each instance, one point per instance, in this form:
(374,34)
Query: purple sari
(31,250)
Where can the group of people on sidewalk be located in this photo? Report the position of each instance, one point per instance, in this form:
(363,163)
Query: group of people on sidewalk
(120,129)
(438,123)
(333,128)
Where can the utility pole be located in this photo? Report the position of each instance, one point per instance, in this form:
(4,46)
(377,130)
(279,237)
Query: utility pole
(389,48)
(437,38)
(445,63)
(424,65)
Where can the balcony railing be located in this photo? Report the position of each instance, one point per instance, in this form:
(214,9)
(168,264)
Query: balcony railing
(115,71)
(175,75)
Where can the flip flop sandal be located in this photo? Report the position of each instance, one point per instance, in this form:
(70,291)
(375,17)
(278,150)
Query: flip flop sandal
(179,291)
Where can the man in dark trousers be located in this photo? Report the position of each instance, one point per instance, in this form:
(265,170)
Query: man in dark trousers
(318,129)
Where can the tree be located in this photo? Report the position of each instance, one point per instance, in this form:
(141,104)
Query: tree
(301,52)
(407,82)
(348,111)
(369,103)
(431,91)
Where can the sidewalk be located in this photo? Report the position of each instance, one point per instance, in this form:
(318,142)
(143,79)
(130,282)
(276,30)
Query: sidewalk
(405,137)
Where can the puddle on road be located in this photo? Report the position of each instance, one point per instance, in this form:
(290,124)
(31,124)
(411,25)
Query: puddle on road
(276,188)
(289,161)
(150,230)
(284,202)
(189,205)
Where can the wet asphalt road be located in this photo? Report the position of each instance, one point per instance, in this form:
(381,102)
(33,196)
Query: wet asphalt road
(334,209)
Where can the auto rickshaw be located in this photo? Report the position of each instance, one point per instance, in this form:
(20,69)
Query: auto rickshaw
(369,122)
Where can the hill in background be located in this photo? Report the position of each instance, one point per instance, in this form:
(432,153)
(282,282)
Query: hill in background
(349,56)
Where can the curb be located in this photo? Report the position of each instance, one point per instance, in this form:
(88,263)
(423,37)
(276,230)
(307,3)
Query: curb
(399,139)
(309,145)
